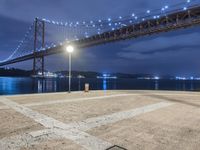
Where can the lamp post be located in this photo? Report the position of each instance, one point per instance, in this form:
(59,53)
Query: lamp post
(70,50)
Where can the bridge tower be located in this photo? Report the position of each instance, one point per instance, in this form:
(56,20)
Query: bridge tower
(39,42)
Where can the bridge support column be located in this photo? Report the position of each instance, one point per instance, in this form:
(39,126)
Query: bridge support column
(39,43)
(38,65)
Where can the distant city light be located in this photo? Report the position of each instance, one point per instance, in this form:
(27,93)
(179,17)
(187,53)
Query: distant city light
(148,11)
(106,76)
(156,78)
(180,78)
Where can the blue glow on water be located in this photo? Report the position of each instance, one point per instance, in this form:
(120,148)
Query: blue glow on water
(104,84)
(10,86)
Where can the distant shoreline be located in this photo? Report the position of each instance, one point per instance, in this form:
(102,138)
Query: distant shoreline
(13,72)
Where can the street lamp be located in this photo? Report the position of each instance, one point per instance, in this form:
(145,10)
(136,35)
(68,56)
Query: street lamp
(70,50)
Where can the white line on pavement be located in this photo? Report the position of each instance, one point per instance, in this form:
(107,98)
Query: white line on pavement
(85,140)
(70,100)
(74,131)
(115,117)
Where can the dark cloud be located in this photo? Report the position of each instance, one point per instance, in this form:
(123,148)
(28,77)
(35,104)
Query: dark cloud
(157,45)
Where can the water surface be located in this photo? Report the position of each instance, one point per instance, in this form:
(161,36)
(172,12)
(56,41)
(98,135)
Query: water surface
(23,85)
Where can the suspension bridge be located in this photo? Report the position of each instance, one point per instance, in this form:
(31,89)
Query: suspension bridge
(46,37)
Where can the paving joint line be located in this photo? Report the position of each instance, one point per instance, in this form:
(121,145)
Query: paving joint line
(71,130)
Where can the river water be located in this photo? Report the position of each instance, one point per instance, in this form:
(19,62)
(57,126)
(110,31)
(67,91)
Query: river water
(11,85)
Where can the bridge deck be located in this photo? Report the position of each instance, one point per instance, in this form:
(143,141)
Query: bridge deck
(99,120)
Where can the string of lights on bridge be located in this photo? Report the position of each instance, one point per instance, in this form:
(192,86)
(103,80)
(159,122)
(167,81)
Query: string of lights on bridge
(123,21)
(92,27)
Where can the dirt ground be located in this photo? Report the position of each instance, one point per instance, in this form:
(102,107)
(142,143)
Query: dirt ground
(141,120)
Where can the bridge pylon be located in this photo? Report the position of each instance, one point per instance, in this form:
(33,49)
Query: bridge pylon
(39,42)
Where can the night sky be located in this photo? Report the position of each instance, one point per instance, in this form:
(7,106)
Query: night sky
(172,53)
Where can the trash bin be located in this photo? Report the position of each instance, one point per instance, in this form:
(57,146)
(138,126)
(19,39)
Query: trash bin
(87,87)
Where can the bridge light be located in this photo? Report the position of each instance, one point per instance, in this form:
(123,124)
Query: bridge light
(124,25)
(120,17)
(188,1)
(148,11)
(166,7)
(133,14)
(185,8)
(109,19)
(70,49)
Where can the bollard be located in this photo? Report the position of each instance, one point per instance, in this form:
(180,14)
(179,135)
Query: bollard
(87,87)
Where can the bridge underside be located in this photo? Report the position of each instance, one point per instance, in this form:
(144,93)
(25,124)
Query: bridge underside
(173,21)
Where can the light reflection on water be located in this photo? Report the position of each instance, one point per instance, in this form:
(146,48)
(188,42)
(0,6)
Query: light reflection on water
(104,84)
(9,85)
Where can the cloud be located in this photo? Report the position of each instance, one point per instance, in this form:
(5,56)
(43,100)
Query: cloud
(161,45)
